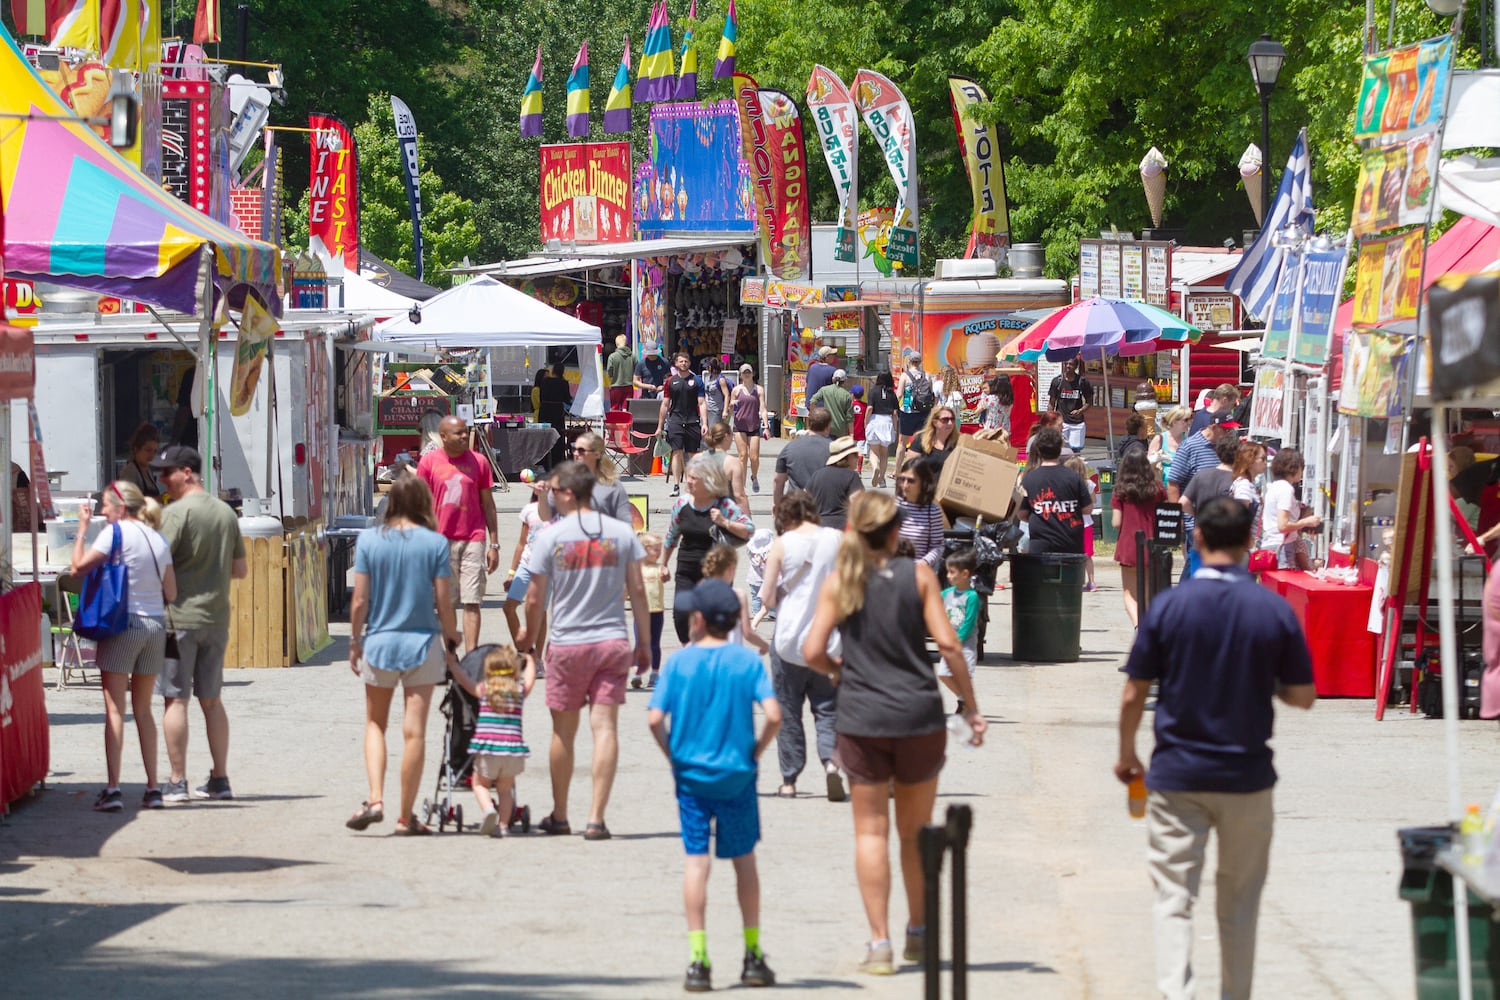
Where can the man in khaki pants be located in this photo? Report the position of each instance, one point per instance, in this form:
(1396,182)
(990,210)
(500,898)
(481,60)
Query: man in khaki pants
(1220,647)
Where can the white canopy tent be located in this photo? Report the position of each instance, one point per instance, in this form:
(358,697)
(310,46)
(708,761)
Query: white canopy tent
(489,313)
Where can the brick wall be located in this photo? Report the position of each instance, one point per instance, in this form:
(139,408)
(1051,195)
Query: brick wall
(245,203)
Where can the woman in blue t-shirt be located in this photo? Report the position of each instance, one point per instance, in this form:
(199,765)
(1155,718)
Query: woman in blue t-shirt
(402,600)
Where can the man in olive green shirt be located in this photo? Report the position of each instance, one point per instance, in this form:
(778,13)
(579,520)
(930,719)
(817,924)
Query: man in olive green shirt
(620,367)
(207,552)
(839,403)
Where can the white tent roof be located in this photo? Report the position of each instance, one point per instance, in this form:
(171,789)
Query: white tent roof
(363,295)
(488,313)
(484,312)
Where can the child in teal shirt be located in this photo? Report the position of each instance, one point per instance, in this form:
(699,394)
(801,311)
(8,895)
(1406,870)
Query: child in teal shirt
(962,603)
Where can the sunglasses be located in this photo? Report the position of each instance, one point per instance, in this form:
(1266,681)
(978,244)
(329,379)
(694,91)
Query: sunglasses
(945,420)
(583,451)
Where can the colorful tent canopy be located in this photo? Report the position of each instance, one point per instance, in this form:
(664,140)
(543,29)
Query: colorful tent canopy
(78,214)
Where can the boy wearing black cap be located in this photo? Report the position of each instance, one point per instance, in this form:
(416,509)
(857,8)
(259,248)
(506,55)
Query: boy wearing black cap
(709,691)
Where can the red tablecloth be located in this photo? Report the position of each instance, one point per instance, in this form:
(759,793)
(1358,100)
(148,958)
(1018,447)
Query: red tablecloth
(24,745)
(1333,617)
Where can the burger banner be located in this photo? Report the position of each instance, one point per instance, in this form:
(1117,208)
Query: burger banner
(1395,185)
(888,116)
(837,122)
(333,204)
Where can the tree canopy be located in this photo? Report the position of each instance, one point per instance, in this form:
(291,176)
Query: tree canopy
(1079,92)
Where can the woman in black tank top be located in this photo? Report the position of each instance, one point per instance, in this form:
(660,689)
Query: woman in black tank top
(890,713)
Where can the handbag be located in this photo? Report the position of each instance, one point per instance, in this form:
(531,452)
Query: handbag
(103,603)
(1262,560)
(729,538)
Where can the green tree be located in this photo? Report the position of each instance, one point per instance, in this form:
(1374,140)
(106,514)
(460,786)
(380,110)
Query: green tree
(448,227)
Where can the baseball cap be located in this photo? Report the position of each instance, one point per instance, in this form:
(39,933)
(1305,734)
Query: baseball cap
(715,600)
(840,375)
(652,349)
(1225,419)
(840,449)
(178,456)
(857,391)
(826,351)
(747,368)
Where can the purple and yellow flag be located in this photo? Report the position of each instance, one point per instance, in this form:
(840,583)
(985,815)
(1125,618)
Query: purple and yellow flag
(687,80)
(617,108)
(657,77)
(531,101)
(578,95)
(724,62)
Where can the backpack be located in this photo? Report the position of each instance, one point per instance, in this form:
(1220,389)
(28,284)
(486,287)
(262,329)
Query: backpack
(103,603)
(922,395)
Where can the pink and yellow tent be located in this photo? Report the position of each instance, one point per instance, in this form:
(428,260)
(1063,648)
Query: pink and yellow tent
(78,214)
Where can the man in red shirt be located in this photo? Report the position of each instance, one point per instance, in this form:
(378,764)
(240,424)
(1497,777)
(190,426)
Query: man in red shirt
(461,482)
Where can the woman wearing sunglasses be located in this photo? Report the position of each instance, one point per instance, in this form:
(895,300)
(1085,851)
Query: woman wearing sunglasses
(610,498)
(936,440)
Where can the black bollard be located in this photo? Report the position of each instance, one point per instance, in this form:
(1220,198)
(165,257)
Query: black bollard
(1142,574)
(960,819)
(931,843)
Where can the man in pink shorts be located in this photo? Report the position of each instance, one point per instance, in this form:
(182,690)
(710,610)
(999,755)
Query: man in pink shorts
(584,562)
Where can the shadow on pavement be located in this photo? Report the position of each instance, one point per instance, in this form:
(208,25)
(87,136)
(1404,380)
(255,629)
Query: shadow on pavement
(226,864)
(120,972)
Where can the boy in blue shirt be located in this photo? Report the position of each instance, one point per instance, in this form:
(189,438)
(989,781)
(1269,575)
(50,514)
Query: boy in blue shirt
(962,604)
(709,691)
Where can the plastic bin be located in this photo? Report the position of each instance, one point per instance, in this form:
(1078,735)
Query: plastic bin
(1429,890)
(1046,607)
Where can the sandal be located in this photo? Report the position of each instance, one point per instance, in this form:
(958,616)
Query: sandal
(411,828)
(596,831)
(787,791)
(369,812)
(554,827)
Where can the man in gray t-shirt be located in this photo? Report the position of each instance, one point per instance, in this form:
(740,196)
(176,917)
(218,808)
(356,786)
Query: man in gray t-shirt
(801,458)
(582,565)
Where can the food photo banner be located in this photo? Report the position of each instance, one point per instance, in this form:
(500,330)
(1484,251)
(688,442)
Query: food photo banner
(1395,185)
(585,192)
(1404,88)
(836,121)
(888,116)
(1388,279)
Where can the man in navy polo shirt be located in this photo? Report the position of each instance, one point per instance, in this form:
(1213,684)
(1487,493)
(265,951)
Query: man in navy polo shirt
(1220,648)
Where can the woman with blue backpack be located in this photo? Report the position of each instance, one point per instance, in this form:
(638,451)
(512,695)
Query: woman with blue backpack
(127,582)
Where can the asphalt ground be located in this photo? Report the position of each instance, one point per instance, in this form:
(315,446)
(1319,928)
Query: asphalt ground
(269,895)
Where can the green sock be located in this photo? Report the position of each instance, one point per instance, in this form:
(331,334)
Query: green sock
(752,941)
(698,943)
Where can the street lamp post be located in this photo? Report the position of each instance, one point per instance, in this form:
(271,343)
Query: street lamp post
(1266,57)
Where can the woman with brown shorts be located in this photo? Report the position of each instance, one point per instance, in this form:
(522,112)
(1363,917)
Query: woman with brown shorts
(890,721)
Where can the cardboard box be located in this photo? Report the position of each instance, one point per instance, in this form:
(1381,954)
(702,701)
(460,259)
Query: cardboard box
(979,478)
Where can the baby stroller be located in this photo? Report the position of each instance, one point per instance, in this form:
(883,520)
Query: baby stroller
(990,540)
(461,712)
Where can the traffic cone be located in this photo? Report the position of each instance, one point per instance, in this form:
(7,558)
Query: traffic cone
(656,465)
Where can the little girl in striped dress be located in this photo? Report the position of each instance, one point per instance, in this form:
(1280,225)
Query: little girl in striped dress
(498,747)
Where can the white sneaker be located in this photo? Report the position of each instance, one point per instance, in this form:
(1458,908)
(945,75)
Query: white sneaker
(489,823)
(754,485)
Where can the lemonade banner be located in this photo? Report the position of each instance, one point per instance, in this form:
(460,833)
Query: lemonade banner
(1404,88)
(1395,185)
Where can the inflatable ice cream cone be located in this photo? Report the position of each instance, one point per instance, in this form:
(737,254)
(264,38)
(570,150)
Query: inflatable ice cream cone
(1154,180)
(1250,168)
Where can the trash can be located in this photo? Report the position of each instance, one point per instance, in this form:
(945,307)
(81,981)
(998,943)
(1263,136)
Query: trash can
(1429,890)
(1046,607)
(1105,529)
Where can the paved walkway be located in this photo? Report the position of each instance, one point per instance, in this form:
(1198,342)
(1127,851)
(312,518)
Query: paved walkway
(270,896)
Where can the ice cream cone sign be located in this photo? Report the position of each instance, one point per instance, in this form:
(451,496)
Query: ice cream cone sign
(1250,168)
(1154,179)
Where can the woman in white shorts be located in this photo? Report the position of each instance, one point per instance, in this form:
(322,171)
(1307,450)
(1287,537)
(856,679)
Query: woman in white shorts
(880,425)
(132,659)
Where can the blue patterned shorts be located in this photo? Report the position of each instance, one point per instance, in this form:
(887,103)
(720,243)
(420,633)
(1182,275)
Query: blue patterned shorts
(736,822)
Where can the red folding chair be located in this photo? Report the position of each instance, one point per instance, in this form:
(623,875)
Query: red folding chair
(619,428)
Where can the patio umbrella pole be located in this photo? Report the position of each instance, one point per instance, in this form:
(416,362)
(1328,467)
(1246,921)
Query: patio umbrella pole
(1109,412)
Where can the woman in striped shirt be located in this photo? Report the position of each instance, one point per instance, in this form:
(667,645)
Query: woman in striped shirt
(498,746)
(922,521)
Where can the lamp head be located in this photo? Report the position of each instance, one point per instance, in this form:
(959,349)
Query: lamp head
(1266,57)
(415,315)
(123,112)
(1444,8)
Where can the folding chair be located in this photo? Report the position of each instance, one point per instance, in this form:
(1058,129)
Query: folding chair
(618,430)
(73,647)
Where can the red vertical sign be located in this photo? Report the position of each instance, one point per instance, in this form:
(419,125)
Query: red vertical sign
(333,208)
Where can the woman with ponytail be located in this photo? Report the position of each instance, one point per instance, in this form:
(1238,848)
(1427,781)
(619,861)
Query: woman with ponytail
(890,721)
(129,662)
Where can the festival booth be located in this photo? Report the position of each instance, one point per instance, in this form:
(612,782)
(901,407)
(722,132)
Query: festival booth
(486,314)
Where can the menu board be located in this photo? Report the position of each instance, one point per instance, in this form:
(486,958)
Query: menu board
(1109,270)
(1140,271)
(1211,311)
